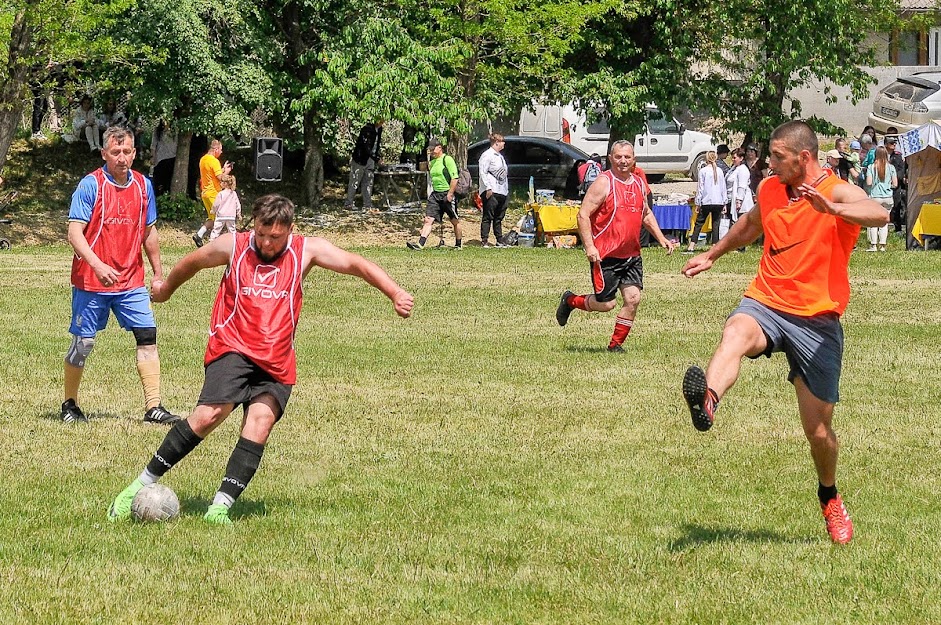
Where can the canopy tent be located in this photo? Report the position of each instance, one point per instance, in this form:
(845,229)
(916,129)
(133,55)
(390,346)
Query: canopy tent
(921,148)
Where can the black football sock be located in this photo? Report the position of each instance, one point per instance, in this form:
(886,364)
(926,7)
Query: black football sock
(242,465)
(825,493)
(179,441)
(457,243)
(422,241)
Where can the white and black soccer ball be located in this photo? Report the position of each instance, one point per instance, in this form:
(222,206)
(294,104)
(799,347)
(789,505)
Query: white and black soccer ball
(155,502)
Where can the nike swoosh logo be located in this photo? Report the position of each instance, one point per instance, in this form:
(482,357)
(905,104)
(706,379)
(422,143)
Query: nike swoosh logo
(781,250)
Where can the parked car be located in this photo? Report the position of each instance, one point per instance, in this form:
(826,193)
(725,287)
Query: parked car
(907,103)
(550,163)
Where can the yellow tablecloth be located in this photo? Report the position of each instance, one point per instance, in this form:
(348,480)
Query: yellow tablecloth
(928,222)
(556,217)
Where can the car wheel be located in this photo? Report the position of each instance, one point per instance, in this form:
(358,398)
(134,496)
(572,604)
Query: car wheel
(655,177)
(698,163)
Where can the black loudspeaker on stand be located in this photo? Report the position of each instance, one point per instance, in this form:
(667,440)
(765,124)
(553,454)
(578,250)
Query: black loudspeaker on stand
(268,159)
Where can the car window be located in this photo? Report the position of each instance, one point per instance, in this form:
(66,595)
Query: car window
(907,92)
(513,152)
(538,155)
(599,127)
(660,124)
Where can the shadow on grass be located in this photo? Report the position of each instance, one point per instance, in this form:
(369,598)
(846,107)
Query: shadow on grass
(597,349)
(696,535)
(197,506)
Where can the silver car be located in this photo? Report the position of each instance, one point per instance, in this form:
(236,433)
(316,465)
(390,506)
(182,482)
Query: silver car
(907,103)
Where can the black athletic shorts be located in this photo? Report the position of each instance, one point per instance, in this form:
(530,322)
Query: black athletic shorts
(612,273)
(439,206)
(234,379)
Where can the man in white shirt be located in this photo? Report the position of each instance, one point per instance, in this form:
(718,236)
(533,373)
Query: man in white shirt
(494,189)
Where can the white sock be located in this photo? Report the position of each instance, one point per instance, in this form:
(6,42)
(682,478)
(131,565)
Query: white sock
(146,478)
(201,232)
(222,499)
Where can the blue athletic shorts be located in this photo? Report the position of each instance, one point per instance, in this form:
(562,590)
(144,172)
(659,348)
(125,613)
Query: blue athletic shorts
(813,345)
(90,311)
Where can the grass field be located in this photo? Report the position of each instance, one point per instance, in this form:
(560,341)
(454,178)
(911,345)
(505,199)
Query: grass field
(478,464)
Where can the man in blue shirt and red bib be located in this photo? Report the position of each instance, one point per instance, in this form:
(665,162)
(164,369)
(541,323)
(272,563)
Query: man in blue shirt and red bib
(111,218)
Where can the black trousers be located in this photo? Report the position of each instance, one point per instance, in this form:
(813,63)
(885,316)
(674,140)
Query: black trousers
(704,211)
(494,212)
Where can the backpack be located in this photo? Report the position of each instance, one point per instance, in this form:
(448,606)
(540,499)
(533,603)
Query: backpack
(591,174)
(464,180)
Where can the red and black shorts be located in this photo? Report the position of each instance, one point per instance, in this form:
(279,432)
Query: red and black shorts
(612,273)
(234,379)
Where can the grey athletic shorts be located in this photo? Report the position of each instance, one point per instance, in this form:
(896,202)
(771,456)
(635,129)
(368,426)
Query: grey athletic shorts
(813,345)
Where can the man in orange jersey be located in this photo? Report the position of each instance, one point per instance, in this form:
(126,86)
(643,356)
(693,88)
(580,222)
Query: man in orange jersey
(811,221)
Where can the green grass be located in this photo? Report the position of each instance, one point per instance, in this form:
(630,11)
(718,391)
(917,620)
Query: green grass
(477,463)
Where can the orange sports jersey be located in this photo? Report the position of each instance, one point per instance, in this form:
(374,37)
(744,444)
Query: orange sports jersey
(803,270)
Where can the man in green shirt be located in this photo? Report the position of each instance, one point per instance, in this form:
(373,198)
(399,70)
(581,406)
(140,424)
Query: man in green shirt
(442,201)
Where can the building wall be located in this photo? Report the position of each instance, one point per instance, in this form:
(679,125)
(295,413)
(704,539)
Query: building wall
(851,117)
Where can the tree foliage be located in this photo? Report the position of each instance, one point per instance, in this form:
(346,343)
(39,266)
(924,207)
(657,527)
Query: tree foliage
(501,54)
(71,34)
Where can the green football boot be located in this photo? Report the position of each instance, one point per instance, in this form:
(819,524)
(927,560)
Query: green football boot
(121,506)
(217,514)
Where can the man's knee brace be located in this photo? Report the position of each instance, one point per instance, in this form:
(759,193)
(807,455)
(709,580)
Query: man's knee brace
(79,350)
(145,336)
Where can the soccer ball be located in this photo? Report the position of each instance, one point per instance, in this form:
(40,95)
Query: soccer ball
(155,502)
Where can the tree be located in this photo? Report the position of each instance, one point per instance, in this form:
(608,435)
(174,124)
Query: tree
(359,63)
(501,54)
(770,48)
(71,33)
(202,73)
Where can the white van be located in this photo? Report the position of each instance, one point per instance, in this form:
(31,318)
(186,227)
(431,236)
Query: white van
(567,124)
(664,145)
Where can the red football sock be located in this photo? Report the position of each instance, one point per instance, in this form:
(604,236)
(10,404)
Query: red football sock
(578,301)
(622,327)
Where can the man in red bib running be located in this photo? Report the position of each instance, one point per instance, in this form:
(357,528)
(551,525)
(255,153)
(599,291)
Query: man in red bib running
(250,358)
(811,222)
(609,223)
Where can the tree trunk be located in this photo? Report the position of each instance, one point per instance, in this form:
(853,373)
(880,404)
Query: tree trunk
(12,88)
(457,143)
(313,161)
(181,166)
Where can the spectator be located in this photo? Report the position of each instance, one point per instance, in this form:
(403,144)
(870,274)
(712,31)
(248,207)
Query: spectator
(898,193)
(111,116)
(867,154)
(756,166)
(443,173)
(588,172)
(881,180)
(722,152)
(494,190)
(363,164)
(711,198)
(226,206)
(833,162)
(86,122)
(210,170)
(849,161)
(163,150)
(740,195)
